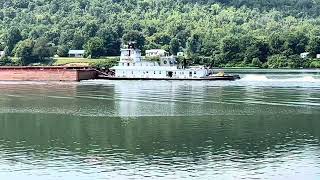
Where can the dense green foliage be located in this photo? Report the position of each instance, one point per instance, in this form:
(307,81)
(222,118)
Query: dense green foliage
(104,63)
(264,33)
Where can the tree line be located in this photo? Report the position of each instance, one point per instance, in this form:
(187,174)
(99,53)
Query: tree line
(259,33)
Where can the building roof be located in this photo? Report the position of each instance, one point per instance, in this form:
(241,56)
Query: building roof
(155,50)
(76,51)
(130,50)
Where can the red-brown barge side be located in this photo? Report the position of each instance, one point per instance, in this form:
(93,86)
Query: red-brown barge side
(46,73)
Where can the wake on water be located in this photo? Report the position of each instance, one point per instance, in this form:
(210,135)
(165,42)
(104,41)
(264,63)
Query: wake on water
(279,78)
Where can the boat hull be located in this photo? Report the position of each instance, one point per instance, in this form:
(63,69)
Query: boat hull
(212,78)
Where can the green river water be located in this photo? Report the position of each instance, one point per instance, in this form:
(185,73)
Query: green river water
(264,126)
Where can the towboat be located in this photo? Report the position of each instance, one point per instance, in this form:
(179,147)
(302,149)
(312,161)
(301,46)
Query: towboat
(133,67)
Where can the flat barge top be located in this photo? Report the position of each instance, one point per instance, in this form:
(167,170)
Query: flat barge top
(46,73)
(46,67)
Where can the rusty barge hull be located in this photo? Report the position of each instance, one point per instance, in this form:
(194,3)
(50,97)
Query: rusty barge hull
(46,73)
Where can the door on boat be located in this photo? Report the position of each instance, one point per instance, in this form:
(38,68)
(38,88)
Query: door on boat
(169,74)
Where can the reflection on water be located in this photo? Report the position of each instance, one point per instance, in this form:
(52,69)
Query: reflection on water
(265,129)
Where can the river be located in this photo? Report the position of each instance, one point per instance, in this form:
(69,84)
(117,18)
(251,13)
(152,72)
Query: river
(264,126)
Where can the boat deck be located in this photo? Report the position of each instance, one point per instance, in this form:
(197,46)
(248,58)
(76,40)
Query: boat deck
(211,78)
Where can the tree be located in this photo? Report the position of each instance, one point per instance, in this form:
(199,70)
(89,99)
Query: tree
(13,36)
(42,49)
(136,36)
(91,28)
(256,62)
(63,51)
(161,39)
(230,49)
(174,46)
(94,47)
(258,48)
(5,61)
(314,45)
(296,43)
(183,37)
(193,44)
(277,61)
(78,41)
(276,43)
(23,51)
(111,41)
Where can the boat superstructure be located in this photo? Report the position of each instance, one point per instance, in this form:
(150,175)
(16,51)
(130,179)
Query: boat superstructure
(132,65)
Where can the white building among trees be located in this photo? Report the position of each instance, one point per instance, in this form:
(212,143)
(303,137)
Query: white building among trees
(304,55)
(2,54)
(76,53)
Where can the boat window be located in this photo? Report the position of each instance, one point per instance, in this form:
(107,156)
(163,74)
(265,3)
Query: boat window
(195,72)
(154,72)
(122,64)
(147,72)
(131,72)
(164,62)
(128,64)
(159,72)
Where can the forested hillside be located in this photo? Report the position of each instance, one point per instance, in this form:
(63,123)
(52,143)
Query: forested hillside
(264,33)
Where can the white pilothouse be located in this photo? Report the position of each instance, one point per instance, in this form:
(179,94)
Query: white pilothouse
(132,65)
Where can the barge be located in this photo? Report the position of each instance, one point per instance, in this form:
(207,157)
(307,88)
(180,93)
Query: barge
(46,73)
